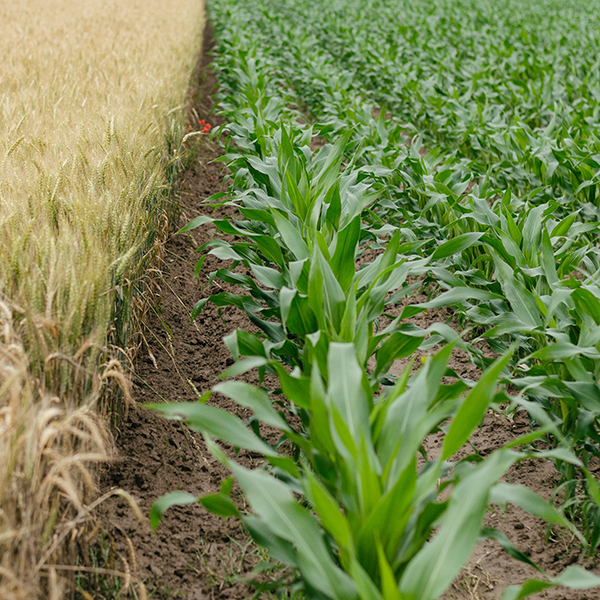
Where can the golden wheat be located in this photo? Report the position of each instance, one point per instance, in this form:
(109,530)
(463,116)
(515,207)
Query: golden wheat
(85,88)
(91,99)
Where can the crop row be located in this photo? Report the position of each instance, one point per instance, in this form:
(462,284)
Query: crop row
(348,498)
(537,245)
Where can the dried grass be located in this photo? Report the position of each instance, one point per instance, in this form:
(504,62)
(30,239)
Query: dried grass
(47,449)
(92,96)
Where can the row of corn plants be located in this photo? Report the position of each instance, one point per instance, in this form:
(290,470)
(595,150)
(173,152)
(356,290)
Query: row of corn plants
(347,497)
(530,218)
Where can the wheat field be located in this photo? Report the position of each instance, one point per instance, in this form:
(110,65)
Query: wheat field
(92,106)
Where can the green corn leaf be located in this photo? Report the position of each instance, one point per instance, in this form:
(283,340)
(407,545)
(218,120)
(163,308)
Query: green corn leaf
(334,296)
(215,422)
(388,518)
(332,518)
(408,312)
(387,577)
(562,350)
(323,247)
(436,369)
(558,299)
(198,307)
(295,196)
(580,374)
(473,408)
(163,504)
(368,471)
(220,504)
(593,487)
(456,296)
(296,313)
(345,388)
(329,168)
(286,296)
(315,351)
(255,399)
(270,249)
(266,172)
(268,277)
(531,232)
(243,366)
(342,261)
(275,504)
(273,329)
(577,578)
(548,259)
(521,299)
(291,237)
(345,442)
(513,230)
(321,435)
(278,548)
(398,345)
(455,245)
(560,453)
(587,303)
(296,389)
(242,343)
(227,227)
(334,211)
(366,588)
(504,493)
(378,414)
(245,303)
(573,577)
(407,421)
(197,222)
(436,565)
(199,265)
(505,247)
(532,586)
(347,331)
(316,293)
(502,539)
(369,275)
(562,228)
(225,253)
(262,216)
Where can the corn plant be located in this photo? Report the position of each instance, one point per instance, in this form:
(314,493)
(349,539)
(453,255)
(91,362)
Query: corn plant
(354,515)
(307,223)
(527,294)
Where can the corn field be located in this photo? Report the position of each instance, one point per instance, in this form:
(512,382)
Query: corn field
(378,150)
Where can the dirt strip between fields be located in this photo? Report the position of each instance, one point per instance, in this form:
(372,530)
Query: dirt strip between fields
(194,554)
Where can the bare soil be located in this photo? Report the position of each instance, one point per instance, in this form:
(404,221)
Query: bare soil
(194,554)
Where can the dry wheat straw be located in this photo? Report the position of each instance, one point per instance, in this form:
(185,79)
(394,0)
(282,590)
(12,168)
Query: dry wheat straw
(85,90)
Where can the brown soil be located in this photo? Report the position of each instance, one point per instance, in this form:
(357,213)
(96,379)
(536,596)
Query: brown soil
(195,554)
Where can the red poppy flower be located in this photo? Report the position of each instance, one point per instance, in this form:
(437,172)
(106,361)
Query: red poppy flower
(201,122)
